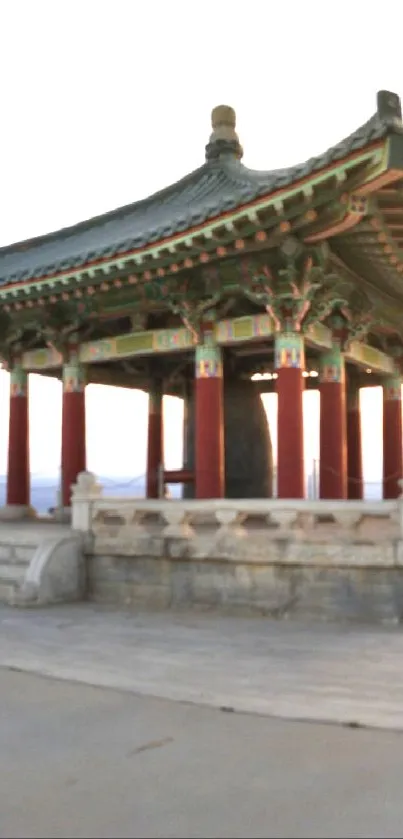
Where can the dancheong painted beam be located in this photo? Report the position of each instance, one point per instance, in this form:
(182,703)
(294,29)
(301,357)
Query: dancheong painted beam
(226,333)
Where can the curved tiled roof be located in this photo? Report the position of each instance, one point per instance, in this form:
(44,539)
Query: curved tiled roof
(222,184)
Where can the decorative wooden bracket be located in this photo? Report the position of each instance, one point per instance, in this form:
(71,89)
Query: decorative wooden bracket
(195,315)
(295,296)
(356,209)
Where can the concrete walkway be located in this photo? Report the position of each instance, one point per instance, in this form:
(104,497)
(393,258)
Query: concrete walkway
(345,674)
(77,761)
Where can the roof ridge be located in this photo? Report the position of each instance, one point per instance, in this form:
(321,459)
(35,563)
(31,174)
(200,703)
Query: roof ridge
(376,124)
(93,221)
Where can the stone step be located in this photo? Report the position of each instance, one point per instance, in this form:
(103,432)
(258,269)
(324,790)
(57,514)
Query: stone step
(17,548)
(11,572)
(19,544)
(13,552)
(7,591)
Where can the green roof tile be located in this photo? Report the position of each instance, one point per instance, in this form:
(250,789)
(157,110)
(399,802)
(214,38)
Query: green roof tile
(222,184)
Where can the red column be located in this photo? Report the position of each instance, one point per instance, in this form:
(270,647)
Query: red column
(354,445)
(209,423)
(73,428)
(155,440)
(392,437)
(333,426)
(18,489)
(290,363)
(186,424)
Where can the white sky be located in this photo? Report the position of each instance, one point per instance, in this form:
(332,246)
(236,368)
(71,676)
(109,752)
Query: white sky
(103,103)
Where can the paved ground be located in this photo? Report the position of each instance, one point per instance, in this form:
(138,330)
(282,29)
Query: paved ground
(84,762)
(285,669)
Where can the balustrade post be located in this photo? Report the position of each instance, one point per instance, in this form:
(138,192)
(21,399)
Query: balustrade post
(83,494)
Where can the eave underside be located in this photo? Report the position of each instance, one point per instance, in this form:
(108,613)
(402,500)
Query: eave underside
(370,255)
(305,208)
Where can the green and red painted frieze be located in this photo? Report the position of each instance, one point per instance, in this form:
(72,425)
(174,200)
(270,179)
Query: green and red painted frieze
(392,388)
(332,366)
(74,377)
(208,361)
(224,332)
(18,381)
(289,351)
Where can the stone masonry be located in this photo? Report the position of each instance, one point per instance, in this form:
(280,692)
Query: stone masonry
(329,560)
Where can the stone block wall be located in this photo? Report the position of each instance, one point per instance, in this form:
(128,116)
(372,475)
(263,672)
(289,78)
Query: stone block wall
(372,594)
(321,560)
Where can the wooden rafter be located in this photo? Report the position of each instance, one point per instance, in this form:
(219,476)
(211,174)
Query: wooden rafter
(390,210)
(388,177)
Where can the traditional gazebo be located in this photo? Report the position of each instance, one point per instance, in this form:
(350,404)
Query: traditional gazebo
(229,272)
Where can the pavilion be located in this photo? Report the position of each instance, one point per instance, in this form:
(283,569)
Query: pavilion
(227,273)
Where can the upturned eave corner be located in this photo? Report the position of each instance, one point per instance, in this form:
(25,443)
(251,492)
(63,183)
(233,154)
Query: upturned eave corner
(333,191)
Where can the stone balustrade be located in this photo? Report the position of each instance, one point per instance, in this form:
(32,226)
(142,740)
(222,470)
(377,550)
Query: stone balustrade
(326,559)
(184,518)
(226,526)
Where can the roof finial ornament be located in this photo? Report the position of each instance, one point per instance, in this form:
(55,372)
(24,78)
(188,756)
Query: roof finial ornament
(389,108)
(224,140)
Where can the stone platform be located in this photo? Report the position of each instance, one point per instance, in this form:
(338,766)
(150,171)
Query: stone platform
(329,560)
(280,558)
(298,670)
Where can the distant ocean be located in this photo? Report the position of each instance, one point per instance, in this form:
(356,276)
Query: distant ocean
(44,490)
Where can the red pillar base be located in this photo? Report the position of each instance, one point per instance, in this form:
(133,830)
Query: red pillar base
(333,427)
(355,484)
(155,441)
(18,478)
(73,429)
(209,423)
(392,437)
(289,364)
